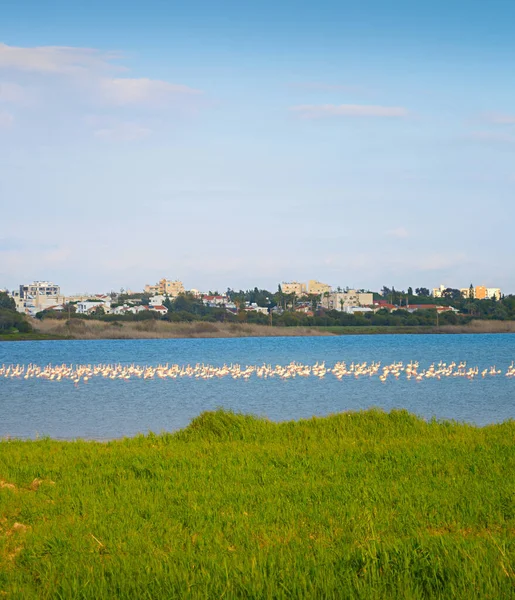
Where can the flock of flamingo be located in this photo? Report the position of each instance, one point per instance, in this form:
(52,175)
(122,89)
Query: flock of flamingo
(340,370)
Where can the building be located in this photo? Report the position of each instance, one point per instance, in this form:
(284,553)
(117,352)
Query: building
(157,300)
(484,293)
(318,288)
(40,288)
(87,307)
(37,296)
(167,287)
(480,292)
(437,292)
(293,287)
(343,300)
(214,301)
(439,309)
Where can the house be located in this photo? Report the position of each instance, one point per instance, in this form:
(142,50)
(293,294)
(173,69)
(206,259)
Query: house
(162,310)
(214,301)
(88,307)
(440,309)
(157,300)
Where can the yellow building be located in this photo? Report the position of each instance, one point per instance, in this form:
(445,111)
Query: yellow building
(293,287)
(316,287)
(481,292)
(166,287)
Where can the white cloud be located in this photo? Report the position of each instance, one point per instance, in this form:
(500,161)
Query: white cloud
(399,232)
(87,70)
(126,91)
(122,132)
(499,118)
(316,111)
(491,137)
(314,86)
(12,93)
(54,59)
(6,120)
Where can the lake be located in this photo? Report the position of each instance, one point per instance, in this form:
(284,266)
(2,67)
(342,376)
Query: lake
(106,409)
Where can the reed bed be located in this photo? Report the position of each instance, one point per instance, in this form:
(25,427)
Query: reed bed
(155,329)
(355,505)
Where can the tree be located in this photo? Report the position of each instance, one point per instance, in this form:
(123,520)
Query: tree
(422,291)
(7,302)
(168,303)
(410,291)
(451,294)
(471,292)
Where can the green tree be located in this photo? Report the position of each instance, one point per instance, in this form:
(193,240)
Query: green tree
(7,302)
(422,291)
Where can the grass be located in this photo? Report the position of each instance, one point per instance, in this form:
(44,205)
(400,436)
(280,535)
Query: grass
(19,337)
(89,330)
(155,329)
(356,505)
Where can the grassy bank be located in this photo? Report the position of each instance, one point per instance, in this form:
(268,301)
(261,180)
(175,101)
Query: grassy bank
(90,330)
(155,329)
(361,505)
(19,337)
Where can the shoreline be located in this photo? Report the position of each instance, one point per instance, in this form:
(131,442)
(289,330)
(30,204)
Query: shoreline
(99,330)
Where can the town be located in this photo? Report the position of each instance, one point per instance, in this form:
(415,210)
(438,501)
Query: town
(44,298)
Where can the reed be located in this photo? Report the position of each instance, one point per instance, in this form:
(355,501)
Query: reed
(355,505)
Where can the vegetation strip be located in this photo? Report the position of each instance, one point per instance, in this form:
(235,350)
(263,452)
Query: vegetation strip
(356,505)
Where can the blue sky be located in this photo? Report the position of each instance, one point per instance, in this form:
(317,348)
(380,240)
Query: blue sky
(229,144)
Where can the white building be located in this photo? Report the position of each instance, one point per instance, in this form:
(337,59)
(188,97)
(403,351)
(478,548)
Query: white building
(39,288)
(157,300)
(90,306)
(343,300)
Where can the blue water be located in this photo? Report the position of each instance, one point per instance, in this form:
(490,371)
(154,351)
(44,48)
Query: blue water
(105,409)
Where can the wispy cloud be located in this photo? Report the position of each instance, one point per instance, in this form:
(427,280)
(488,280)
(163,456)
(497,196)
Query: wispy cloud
(314,86)
(317,111)
(122,132)
(496,118)
(491,137)
(126,91)
(55,59)
(12,93)
(6,120)
(399,232)
(91,72)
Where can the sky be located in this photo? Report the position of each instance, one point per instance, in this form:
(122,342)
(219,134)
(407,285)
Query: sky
(234,144)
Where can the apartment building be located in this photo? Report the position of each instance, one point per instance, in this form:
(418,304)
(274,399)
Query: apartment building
(37,296)
(294,287)
(39,288)
(480,292)
(168,287)
(344,300)
(317,287)
(485,293)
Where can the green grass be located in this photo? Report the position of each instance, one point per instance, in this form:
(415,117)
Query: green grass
(357,505)
(18,337)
